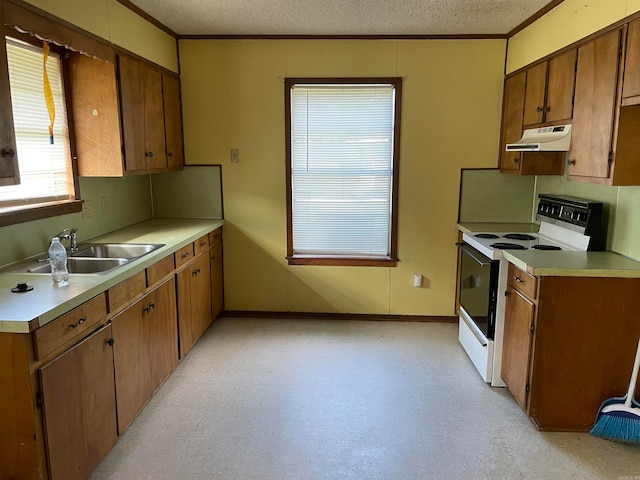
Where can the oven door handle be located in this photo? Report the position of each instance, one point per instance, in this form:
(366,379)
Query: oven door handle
(473,254)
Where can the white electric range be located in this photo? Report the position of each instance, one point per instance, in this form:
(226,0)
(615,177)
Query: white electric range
(566,224)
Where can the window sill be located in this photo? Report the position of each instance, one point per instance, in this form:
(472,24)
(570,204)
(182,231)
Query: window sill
(342,261)
(27,213)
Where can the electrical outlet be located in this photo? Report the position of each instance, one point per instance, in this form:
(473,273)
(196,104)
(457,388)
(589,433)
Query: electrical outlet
(234,156)
(106,205)
(87,209)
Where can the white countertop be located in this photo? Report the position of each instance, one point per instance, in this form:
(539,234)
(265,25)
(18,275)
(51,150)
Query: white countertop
(24,312)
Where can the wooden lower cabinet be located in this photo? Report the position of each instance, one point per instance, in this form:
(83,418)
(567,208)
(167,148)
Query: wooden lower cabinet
(581,350)
(194,302)
(79,407)
(516,352)
(145,349)
(217,280)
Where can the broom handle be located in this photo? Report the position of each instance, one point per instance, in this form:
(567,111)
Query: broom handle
(634,378)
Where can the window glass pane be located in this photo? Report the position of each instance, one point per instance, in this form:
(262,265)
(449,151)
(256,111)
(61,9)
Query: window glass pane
(44,166)
(342,169)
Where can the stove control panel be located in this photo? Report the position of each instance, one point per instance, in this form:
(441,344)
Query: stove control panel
(576,214)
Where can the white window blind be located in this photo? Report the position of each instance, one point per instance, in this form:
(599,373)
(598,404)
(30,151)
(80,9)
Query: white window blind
(43,167)
(342,169)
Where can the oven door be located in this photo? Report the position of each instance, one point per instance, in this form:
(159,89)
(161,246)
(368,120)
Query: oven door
(479,289)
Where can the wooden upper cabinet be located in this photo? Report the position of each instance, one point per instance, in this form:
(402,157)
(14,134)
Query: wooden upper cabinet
(595,106)
(631,84)
(9,173)
(142,116)
(560,87)
(127,119)
(534,102)
(512,114)
(173,121)
(549,90)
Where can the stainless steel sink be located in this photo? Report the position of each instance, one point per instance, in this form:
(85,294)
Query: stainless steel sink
(116,250)
(96,266)
(93,258)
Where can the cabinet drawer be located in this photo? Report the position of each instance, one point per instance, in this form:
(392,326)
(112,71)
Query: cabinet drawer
(215,237)
(126,290)
(184,255)
(201,245)
(159,270)
(70,327)
(522,281)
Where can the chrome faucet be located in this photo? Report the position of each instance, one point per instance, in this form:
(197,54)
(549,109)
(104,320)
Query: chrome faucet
(71,235)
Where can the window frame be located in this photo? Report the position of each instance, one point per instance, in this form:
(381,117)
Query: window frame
(344,260)
(11,215)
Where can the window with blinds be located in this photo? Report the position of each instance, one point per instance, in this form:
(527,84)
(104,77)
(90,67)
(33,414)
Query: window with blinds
(342,168)
(45,167)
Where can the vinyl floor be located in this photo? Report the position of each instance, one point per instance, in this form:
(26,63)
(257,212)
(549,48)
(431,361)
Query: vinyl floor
(272,399)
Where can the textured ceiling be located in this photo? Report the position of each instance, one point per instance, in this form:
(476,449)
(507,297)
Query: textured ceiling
(341,17)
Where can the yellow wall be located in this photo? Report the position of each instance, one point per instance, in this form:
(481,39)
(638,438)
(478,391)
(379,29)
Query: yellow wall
(567,23)
(233,97)
(112,21)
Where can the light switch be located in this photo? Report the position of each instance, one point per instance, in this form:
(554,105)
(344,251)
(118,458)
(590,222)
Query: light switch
(235,155)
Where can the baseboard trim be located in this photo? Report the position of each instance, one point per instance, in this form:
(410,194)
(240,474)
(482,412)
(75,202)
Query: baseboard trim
(338,316)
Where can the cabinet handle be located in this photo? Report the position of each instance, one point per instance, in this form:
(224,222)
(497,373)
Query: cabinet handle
(185,255)
(110,342)
(169,154)
(149,307)
(7,153)
(539,109)
(571,161)
(78,323)
(506,293)
(516,160)
(518,280)
(202,244)
(195,272)
(548,108)
(148,154)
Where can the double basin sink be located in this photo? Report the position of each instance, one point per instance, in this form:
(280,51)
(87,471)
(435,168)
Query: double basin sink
(94,258)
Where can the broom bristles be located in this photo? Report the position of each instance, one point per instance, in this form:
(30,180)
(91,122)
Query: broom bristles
(618,426)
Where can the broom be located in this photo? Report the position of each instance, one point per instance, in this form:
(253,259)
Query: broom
(619,418)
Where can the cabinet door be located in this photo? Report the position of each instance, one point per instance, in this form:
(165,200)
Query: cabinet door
(512,112)
(79,407)
(595,101)
(162,332)
(173,121)
(631,84)
(9,174)
(517,344)
(560,87)
(534,106)
(217,280)
(132,362)
(142,116)
(194,302)
(202,293)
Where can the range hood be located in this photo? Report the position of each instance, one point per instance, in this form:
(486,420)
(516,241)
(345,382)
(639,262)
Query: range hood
(546,139)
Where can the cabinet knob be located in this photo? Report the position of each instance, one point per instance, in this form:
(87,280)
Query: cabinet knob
(516,160)
(110,342)
(7,153)
(518,279)
(571,161)
(185,255)
(506,293)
